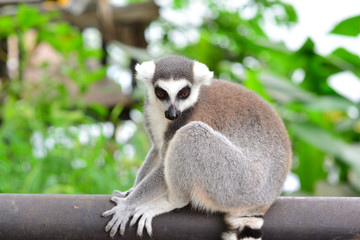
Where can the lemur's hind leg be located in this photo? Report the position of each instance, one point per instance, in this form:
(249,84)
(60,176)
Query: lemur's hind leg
(182,175)
(205,166)
(200,158)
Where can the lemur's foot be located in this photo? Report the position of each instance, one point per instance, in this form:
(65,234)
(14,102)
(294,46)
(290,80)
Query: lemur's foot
(145,215)
(146,212)
(120,216)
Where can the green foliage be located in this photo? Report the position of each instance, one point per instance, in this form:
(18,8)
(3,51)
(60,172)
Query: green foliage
(27,17)
(50,141)
(348,27)
(316,116)
(178,4)
(46,141)
(252,82)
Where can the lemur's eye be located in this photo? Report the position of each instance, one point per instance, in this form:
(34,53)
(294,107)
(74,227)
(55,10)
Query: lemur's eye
(185,92)
(160,93)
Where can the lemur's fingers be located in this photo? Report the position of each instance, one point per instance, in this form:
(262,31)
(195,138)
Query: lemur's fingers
(119,194)
(148,226)
(116,200)
(108,212)
(110,223)
(140,228)
(145,221)
(134,219)
(139,212)
(122,227)
(115,227)
(118,222)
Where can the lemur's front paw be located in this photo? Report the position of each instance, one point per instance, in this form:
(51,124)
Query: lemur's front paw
(120,216)
(120,194)
(145,215)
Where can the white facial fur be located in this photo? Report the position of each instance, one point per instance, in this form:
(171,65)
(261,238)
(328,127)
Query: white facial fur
(156,108)
(172,87)
(202,74)
(145,71)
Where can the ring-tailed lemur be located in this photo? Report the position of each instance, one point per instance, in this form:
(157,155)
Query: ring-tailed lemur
(216,145)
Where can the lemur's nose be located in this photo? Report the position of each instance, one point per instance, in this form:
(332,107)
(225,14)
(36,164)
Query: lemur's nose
(172,113)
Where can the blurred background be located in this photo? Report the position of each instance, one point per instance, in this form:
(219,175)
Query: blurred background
(71,111)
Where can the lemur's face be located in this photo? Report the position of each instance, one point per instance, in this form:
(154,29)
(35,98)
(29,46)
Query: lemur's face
(175,96)
(173,83)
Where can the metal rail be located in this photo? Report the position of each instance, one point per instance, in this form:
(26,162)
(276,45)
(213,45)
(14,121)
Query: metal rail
(77,217)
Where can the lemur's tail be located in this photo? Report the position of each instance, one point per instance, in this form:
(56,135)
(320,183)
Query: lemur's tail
(243,227)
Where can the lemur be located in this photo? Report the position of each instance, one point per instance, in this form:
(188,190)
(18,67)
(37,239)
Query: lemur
(215,145)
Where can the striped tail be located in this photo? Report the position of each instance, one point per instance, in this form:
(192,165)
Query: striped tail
(243,228)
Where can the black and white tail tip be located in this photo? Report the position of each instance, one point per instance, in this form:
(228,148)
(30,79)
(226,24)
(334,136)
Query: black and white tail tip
(243,228)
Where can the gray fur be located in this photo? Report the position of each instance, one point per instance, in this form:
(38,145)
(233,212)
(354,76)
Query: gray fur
(174,67)
(227,152)
(151,161)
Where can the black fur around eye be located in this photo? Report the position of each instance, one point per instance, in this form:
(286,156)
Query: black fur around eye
(161,93)
(184,93)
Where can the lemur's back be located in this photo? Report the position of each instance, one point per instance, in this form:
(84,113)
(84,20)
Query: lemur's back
(225,106)
(249,122)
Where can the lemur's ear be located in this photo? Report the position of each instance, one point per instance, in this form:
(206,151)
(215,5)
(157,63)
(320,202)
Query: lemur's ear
(202,74)
(145,71)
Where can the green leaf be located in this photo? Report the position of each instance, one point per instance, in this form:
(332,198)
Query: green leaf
(345,59)
(115,113)
(205,51)
(5,168)
(310,168)
(178,4)
(252,82)
(327,142)
(289,9)
(348,27)
(99,110)
(287,16)
(285,91)
(328,103)
(29,17)
(91,53)
(96,75)
(67,40)
(347,56)
(6,26)
(308,48)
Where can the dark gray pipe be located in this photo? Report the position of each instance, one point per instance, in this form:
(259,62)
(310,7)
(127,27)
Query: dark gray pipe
(76,217)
